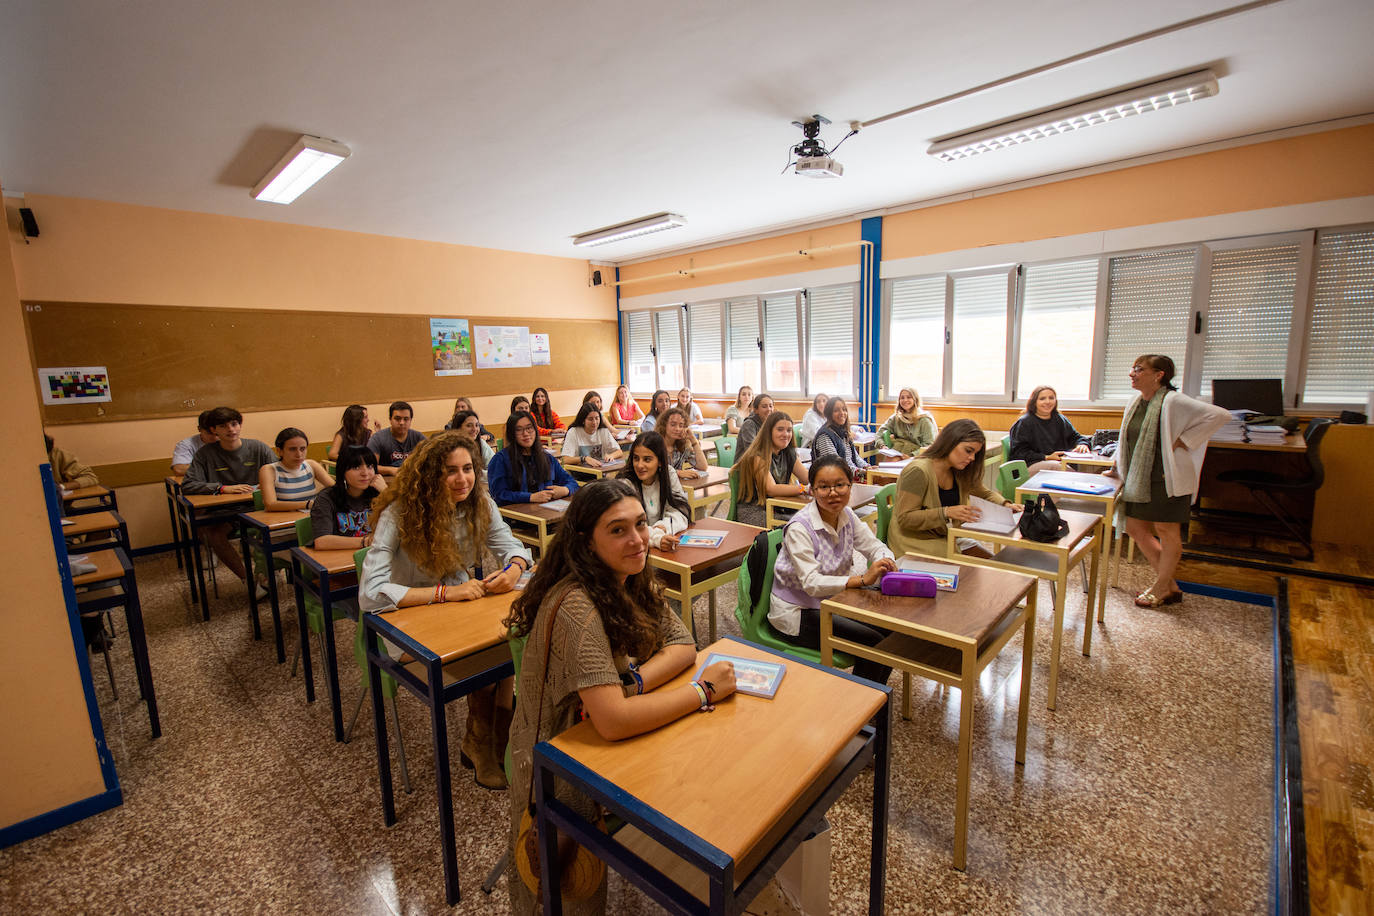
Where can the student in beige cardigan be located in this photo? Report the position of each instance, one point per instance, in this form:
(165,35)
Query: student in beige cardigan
(921,512)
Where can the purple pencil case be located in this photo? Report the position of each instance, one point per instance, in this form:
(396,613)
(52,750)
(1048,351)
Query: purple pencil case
(909,585)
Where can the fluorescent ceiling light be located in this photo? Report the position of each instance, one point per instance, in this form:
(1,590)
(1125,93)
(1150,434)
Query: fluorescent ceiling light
(308,160)
(649,224)
(1164,94)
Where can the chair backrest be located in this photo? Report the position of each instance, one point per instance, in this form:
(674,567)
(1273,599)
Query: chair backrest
(733,513)
(754,615)
(884,500)
(1313,435)
(725,451)
(886,436)
(797,435)
(725,427)
(1009,475)
(257,500)
(305,532)
(1006,448)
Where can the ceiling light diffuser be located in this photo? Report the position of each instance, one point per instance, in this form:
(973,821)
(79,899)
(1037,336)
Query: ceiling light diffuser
(1168,93)
(308,160)
(649,224)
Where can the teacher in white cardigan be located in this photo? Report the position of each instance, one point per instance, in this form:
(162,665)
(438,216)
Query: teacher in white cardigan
(1163,440)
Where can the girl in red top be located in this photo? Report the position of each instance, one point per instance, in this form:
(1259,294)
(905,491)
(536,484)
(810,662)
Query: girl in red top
(544,417)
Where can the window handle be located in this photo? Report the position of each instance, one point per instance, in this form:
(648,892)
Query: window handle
(946,336)
(1197,322)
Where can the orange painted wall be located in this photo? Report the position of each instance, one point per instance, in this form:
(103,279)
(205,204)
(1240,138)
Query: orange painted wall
(47,754)
(728,254)
(1325,166)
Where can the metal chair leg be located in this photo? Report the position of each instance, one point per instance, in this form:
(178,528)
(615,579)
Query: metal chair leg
(348,734)
(400,746)
(497,870)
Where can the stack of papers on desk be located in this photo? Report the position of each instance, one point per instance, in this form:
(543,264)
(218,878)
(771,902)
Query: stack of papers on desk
(864,436)
(992,518)
(80,564)
(1236,431)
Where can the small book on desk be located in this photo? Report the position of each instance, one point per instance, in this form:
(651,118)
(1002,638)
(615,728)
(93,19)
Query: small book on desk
(1092,487)
(753,677)
(992,518)
(560,505)
(946,576)
(701,538)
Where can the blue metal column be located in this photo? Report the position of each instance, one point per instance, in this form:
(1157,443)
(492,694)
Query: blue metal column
(619,328)
(871,301)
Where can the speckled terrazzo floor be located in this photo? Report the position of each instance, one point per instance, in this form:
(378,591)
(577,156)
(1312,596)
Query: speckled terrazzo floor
(1148,790)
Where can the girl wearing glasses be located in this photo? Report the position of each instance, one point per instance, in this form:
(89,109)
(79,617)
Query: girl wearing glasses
(524,471)
(819,557)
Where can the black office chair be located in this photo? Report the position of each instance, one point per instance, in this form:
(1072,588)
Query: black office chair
(1265,486)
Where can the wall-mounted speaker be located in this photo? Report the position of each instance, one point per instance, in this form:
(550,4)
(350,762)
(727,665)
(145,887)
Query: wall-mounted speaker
(30,224)
(596,278)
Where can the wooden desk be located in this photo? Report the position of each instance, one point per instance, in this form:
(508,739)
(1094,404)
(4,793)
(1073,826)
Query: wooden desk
(274,531)
(457,647)
(104,499)
(1104,504)
(103,522)
(789,759)
(950,638)
(1050,561)
(537,514)
(1293,444)
(337,580)
(113,568)
(610,468)
(880,477)
(199,511)
(860,494)
(1090,460)
(697,570)
(704,491)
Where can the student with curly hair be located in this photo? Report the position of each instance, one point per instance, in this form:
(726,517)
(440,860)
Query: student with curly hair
(428,532)
(596,612)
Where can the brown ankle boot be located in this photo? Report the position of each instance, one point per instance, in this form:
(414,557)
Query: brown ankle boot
(500,734)
(481,711)
(473,737)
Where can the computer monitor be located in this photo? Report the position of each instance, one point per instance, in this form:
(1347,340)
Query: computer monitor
(1262,395)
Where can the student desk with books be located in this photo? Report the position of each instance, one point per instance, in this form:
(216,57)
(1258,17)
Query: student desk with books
(703,491)
(697,570)
(860,495)
(113,570)
(329,575)
(273,531)
(722,798)
(1082,499)
(537,516)
(1046,560)
(950,638)
(88,499)
(452,649)
(201,510)
(879,476)
(609,468)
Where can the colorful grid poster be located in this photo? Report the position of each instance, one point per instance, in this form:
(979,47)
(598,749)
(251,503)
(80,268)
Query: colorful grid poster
(451,346)
(74,385)
(502,347)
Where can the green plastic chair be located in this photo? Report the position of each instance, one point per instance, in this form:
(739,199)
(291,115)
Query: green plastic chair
(1006,448)
(753,619)
(885,436)
(389,688)
(725,427)
(732,514)
(797,435)
(1010,474)
(260,558)
(725,451)
(884,499)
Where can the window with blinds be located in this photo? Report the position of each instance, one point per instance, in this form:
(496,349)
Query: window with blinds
(1340,352)
(1249,313)
(1058,311)
(979,333)
(1149,303)
(782,343)
(639,352)
(916,335)
(668,347)
(742,359)
(830,331)
(706,369)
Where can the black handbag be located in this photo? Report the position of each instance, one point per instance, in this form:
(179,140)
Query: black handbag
(1041,522)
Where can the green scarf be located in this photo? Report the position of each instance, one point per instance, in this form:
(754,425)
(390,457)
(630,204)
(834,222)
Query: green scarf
(1139,456)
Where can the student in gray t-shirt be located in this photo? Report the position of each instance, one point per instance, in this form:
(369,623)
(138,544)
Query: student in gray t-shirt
(230,464)
(392,446)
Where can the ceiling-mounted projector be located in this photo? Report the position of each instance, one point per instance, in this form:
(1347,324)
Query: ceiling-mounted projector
(812,158)
(819,167)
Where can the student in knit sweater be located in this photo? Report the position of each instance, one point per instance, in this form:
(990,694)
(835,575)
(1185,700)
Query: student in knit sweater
(1043,436)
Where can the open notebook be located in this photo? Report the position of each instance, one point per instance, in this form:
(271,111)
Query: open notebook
(992,518)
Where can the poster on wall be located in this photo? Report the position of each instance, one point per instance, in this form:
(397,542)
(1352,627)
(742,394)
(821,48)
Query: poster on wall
(451,346)
(74,385)
(539,349)
(502,347)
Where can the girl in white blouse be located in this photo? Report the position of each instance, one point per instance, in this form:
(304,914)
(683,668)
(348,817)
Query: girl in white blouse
(665,502)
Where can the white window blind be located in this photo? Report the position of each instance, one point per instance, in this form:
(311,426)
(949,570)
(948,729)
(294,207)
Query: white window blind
(668,334)
(781,348)
(980,334)
(704,330)
(1340,361)
(916,336)
(1249,313)
(1149,304)
(742,365)
(639,346)
(831,340)
(1058,310)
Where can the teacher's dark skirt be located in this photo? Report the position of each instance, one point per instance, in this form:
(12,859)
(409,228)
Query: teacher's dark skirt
(1162,507)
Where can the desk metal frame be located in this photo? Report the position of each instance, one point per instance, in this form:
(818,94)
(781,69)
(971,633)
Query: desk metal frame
(327,593)
(249,528)
(117,530)
(543,526)
(105,499)
(725,898)
(133,621)
(194,520)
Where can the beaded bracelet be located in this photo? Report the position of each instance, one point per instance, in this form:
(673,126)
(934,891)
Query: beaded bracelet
(705,699)
(639,678)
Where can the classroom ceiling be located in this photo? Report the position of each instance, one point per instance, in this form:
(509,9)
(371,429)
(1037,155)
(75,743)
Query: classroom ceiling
(506,126)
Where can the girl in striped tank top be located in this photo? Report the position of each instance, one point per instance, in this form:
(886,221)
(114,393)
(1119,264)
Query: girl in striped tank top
(292,482)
